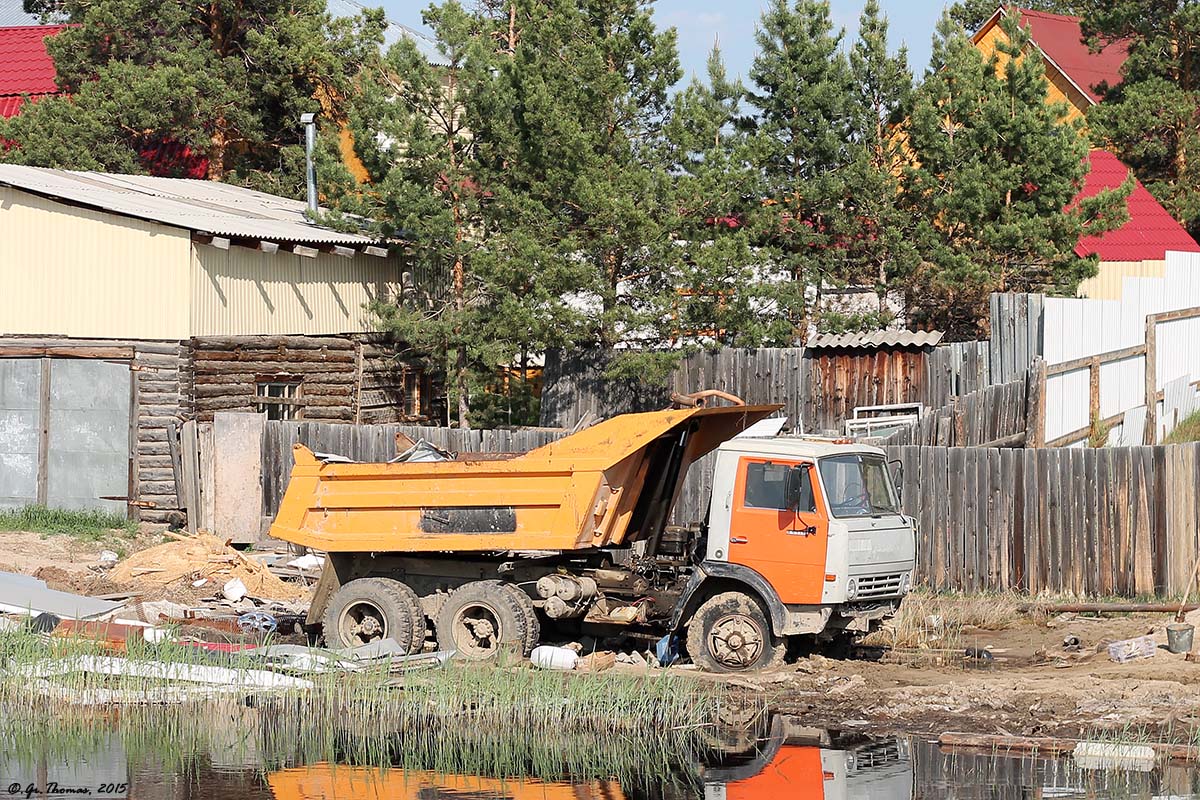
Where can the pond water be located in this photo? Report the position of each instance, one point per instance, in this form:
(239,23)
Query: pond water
(789,762)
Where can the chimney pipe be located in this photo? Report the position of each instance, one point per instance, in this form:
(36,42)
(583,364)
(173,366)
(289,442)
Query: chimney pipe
(310,171)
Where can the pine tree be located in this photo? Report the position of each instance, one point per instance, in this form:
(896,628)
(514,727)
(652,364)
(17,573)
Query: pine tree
(715,187)
(1149,119)
(995,168)
(227,80)
(575,130)
(877,231)
(410,131)
(800,130)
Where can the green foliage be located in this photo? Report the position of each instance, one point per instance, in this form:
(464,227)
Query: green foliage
(1149,119)
(228,80)
(1188,430)
(994,168)
(799,142)
(95,526)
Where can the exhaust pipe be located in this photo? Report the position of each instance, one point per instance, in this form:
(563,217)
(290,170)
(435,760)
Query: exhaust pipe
(310,171)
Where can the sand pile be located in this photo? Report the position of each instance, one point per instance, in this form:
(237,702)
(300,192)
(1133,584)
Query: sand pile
(179,563)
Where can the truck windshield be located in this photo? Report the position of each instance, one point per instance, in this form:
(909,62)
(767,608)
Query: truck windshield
(857,485)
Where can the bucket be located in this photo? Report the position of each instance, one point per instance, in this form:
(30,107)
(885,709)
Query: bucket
(1179,637)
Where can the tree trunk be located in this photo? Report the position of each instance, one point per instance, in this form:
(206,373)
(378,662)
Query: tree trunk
(216,153)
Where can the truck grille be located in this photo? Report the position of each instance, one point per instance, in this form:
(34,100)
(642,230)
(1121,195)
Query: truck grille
(878,585)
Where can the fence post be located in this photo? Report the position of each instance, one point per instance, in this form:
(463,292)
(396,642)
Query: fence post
(1035,404)
(1151,430)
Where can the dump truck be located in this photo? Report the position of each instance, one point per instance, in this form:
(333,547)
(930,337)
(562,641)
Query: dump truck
(803,537)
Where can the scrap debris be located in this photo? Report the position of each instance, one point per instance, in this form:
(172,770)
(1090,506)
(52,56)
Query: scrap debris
(203,557)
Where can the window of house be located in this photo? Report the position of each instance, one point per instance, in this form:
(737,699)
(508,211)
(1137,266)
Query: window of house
(279,398)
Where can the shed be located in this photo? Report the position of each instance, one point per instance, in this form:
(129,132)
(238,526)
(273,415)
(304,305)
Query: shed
(863,369)
(135,302)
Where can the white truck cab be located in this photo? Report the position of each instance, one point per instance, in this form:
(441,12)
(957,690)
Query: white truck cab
(819,521)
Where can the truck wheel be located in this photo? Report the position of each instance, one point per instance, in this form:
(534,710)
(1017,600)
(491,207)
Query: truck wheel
(480,618)
(533,628)
(369,610)
(730,633)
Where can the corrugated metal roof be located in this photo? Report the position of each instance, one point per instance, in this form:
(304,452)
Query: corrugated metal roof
(1060,37)
(393,33)
(12,13)
(25,66)
(876,339)
(1151,230)
(201,206)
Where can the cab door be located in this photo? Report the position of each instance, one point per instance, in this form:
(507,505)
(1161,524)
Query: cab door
(781,538)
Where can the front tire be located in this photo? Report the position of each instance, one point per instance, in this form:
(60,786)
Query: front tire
(369,610)
(730,632)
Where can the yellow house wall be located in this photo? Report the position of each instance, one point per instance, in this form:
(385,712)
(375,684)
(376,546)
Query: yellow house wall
(1060,90)
(240,291)
(77,272)
(1110,280)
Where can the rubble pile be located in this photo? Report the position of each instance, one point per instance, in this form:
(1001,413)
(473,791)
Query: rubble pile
(201,563)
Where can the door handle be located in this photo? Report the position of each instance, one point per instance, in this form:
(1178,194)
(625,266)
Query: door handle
(811,530)
(738,540)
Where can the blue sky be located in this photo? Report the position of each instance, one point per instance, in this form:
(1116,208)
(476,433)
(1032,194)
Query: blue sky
(699,22)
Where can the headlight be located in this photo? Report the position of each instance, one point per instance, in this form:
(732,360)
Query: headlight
(905,583)
(851,589)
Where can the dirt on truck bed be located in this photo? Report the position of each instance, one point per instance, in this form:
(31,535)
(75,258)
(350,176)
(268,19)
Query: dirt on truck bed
(1031,685)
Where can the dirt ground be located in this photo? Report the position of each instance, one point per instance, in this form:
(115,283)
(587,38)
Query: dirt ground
(1031,686)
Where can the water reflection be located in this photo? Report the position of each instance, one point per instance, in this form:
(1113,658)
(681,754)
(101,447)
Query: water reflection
(788,761)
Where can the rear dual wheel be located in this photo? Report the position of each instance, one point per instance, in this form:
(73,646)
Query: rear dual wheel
(370,610)
(480,619)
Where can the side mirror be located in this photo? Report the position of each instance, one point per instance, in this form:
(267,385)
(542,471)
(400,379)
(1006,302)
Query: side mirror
(799,490)
(897,477)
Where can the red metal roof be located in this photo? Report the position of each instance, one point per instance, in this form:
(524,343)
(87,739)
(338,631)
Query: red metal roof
(25,66)
(1061,40)
(1150,231)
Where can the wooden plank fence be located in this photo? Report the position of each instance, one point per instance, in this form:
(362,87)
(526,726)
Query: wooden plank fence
(992,416)
(1016,335)
(377,443)
(1110,521)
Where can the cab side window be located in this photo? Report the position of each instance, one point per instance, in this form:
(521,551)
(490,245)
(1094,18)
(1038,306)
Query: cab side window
(767,486)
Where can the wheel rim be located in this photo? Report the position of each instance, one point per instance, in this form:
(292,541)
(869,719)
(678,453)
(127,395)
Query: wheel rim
(477,630)
(362,621)
(736,641)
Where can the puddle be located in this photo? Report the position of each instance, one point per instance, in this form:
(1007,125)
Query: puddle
(237,757)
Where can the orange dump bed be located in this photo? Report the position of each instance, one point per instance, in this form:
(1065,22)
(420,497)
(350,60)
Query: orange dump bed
(610,484)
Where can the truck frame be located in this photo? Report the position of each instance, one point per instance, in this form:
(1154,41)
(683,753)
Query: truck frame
(498,551)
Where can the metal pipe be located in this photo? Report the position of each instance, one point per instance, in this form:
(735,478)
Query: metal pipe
(310,170)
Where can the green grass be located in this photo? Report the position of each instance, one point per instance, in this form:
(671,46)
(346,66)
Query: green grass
(500,720)
(1188,430)
(91,526)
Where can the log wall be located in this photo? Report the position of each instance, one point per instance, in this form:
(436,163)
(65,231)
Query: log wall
(339,378)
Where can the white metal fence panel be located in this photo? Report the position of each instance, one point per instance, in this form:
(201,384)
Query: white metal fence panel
(1079,329)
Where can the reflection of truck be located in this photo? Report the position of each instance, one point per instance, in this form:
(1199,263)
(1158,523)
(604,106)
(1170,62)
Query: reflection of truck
(793,761)
(803,537)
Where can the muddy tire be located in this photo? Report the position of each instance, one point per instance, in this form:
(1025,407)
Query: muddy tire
(481,619)
(533,628)
(371,609)
(730,633)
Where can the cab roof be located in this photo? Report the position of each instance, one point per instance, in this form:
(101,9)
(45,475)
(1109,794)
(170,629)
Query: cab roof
(796,446)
